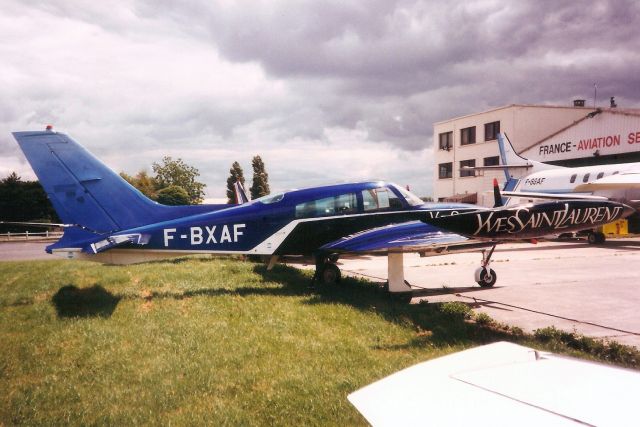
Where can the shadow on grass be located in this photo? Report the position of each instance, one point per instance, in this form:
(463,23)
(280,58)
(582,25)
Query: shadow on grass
(436,324)
(96,301)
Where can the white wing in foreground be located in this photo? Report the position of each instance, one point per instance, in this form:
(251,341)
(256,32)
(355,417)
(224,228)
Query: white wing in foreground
(502,384)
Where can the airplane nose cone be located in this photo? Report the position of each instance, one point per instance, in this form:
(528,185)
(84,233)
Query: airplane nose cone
(628,210)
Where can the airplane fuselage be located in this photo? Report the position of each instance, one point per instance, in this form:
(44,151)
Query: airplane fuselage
(581,180)
(293,223)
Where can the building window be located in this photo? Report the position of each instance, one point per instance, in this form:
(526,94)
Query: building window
(445,170)
(467,164)
(446,141)
(491,131)
(468,136)
(492,161)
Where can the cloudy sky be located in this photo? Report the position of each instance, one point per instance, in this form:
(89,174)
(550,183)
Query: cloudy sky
(324,91)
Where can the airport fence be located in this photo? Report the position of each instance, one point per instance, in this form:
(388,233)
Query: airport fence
(30,235)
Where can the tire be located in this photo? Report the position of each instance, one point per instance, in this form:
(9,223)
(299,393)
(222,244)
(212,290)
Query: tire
(331,274)
(488,278)
(596,238)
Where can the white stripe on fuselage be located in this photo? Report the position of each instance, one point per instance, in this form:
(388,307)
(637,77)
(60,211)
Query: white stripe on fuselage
(273,242)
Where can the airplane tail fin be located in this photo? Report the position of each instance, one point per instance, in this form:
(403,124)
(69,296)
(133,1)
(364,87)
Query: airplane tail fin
(84,191)
(511,159)
(241,194)
(497,197)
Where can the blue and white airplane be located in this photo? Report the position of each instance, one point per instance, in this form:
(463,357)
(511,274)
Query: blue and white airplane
(108,220)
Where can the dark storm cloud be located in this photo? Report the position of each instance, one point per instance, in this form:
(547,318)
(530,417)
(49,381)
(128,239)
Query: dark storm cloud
(358,82)
(378,55)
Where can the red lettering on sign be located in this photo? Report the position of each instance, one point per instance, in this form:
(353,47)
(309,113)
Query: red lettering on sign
(634,138)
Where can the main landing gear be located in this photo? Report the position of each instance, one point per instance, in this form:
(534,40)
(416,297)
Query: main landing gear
(327,271)
(596,237)
(485,276)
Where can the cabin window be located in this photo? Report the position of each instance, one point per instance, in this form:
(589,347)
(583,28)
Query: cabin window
(600,175)
(573,178)
(467,164)
(380,198)
(446,140)
(586,178)
(491,131)
(468,136)
(445,170)
(328,206)
(615,173)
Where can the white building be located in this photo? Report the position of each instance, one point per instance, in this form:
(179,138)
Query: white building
(568,136)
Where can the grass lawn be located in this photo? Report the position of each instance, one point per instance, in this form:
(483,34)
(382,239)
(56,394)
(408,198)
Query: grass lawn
(217,341)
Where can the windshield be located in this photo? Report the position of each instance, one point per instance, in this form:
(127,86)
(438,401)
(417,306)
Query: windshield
(270,198)
(411,198)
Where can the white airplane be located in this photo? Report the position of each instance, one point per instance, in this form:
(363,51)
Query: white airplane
(617,182)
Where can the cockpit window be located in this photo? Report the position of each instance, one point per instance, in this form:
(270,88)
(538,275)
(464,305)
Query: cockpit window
(379,199)
(329,206)
(411,198)
(270,198)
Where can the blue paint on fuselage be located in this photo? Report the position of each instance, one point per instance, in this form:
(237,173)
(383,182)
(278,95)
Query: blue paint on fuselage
(240,228)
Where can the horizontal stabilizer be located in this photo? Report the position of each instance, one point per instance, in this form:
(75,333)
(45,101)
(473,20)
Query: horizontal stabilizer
(117,240)
(496,167)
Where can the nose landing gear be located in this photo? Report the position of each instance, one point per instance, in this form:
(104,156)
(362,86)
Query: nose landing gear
(485,276)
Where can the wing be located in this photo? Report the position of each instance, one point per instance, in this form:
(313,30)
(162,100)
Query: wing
(501,384)
(533,220)
(552,196)
(414,236)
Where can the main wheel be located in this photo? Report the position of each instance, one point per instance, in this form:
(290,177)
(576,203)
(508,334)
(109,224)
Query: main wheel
(596,238)
(330,274)
(487,278)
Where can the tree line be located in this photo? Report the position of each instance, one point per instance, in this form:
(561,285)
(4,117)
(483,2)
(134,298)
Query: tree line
(23,201)
(174,183)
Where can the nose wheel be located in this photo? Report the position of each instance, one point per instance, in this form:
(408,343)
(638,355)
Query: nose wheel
(485,276)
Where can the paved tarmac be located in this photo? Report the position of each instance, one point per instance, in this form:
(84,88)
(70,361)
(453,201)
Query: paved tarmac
(23,251)
(571,285)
